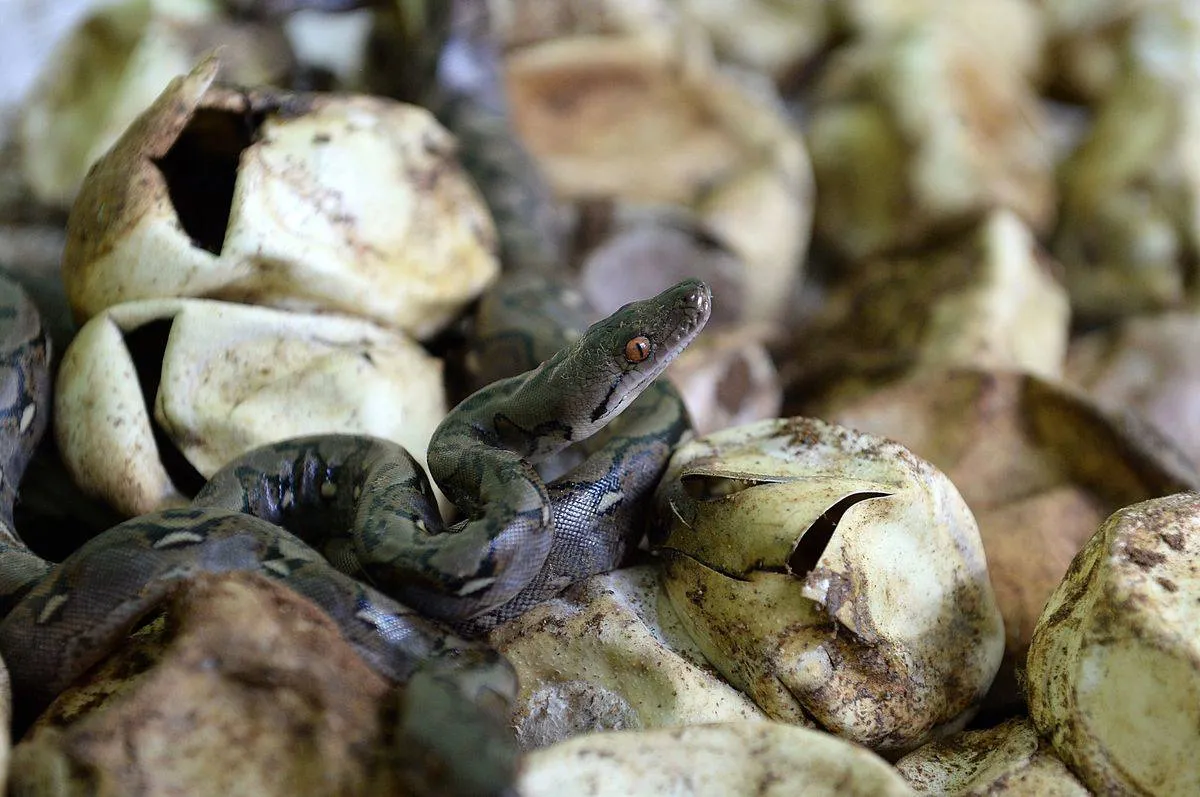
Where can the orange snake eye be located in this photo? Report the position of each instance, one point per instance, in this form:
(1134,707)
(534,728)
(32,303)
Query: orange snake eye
(637,349)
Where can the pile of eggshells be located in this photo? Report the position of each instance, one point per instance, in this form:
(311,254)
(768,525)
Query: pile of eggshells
(961,234)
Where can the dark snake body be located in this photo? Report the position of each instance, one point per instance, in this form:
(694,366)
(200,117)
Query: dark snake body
(59,620)
(535,309)
(600,504)
(25,385)
(366,505)
(345,494)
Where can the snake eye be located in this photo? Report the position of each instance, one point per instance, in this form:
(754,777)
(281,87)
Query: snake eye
(637,349)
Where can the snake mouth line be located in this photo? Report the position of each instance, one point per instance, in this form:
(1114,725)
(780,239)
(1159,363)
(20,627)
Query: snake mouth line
(696,307)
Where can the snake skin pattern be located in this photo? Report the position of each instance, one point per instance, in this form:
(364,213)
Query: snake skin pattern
(25,385)
(369,508)
(600,492)
(551,468)
(367,505)
(59,620)
(600,506)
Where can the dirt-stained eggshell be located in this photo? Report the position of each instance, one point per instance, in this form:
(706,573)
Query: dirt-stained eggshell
(834,576)
(214,379)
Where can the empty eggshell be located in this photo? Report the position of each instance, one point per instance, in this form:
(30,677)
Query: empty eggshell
(620,117)
(1114,665)
(834,576)
(224,378)
(917,130)
(609,654)
(114,63)
(737,759)
(338,203)
(1008,759)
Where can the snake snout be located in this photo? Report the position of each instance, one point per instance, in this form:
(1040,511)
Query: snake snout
(697,301)
(695,305)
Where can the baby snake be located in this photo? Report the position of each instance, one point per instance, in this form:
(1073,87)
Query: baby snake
(367,504)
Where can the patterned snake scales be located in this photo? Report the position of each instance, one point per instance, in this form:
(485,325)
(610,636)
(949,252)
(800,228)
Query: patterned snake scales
(351,522)
(368,506)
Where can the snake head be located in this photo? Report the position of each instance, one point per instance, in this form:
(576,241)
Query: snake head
(618,357)
(575,393)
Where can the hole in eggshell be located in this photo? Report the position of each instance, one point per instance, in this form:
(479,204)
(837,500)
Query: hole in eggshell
(147,346)
(707,487)
(811,545)
(53,516)
(201,168)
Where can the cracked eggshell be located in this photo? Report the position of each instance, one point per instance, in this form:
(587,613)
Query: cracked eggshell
(1127,236)
(113,65)
(520,23)
(338,203)
(913,133)
(750,759)
(1094,43)
(240,656)
(1147,364)
(1007,31)
(770,36)
(231,377)
(609,654)
(1008,759)
(989,298)
(1040,466)
(1114,666)
(618,117)
(833,576)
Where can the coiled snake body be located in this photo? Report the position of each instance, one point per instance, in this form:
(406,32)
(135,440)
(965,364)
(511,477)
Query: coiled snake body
(368,506)
(351,522)
(365,502)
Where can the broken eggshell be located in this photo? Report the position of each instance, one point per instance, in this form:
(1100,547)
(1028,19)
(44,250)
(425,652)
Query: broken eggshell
(917,131)
(114,63)
(1007,32)
(734,759)
(520,23)
(1114,665)
(223,378)
(1040,466)
(1008,759)
(610,654)
(778,38)
(619,117)
(1126,246)
(346,204)
(241,657)
(1091,45)
(986,298)
(834,576)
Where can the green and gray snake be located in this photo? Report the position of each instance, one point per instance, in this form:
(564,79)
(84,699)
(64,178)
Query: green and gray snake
(368,506)
(550,469)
